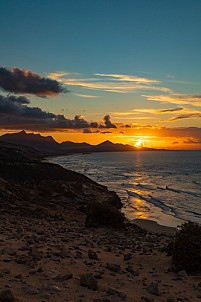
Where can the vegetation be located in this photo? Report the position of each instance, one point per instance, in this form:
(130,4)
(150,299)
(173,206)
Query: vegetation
(103,214)
(186,248)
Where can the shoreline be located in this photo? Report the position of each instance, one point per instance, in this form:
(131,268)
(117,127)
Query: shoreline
(154,227)
(152,223)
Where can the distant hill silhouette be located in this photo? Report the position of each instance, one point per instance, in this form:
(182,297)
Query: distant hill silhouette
(49,146)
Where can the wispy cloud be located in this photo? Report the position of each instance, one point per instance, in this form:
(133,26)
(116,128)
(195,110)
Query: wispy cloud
(127,78)
(136,114)
(147,111)
(171,110)
(109,82)
(176,98)
(85,95)
(186,116)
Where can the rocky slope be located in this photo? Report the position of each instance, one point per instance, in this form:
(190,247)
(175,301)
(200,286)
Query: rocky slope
(48,254)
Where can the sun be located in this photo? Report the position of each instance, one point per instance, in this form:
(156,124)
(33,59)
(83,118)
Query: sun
(139,144)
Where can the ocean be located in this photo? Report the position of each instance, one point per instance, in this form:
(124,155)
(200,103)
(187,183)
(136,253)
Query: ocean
(164,186)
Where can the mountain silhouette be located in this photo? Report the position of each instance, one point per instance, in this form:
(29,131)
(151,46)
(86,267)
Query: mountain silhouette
(48,145)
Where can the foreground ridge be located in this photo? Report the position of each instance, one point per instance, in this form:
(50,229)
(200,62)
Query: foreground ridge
(48,254)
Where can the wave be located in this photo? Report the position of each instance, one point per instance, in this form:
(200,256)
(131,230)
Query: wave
(182,191)
(147,187)
(136,195)
(194,213)
(158,203)
(155,201)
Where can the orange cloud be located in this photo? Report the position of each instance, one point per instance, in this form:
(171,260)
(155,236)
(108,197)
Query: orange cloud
(180,99)
(109,82)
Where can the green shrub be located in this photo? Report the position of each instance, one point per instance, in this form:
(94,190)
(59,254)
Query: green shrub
(186,248)
(103,214)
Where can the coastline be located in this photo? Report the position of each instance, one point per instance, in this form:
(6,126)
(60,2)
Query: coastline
(159,217)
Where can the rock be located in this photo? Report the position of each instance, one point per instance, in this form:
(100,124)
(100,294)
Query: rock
(8,251)
(98,274)
(182,274)
(35,253)
(147,299)
(127,256)
(31,290)
(113,266)
(88,281)
(6,295)
(36,270)
(5,271)
(92,255)
(79,254)
(101,300)
(170,299)
(132,271)
(153,289)
(65,253)
(18,276)
(121,295)
(50,288)
(112,291)
(22,259)
(64,277)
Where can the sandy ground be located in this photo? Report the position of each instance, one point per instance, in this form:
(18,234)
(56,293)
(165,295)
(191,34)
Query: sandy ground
(153,226)
(43,255)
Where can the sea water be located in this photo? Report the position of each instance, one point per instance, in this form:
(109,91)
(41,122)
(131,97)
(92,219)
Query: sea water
(164,186)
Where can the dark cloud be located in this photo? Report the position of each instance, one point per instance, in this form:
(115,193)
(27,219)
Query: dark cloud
(108,123)
(90,131)
(15,114)
(186,116)
(22,81)
(126,126)
(15,106)
(190,96)
(105,132)
(19,99)
(192,141)
(171,110)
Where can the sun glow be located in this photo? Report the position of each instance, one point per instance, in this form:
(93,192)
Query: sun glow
(139,143)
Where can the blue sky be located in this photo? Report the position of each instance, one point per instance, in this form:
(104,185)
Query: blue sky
(155,37)
(153,40)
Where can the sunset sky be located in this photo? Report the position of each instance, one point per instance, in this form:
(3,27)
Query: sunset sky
(126,71)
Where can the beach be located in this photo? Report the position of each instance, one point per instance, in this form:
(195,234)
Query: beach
(48,254)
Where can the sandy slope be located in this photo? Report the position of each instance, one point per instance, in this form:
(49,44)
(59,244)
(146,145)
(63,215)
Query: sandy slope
(45,248)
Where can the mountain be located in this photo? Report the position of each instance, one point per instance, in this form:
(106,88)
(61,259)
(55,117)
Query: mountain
(48,146)
(108,146)
(41,143)
(75,147)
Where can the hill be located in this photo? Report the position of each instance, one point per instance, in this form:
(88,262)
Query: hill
(37,141)
(48,146)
